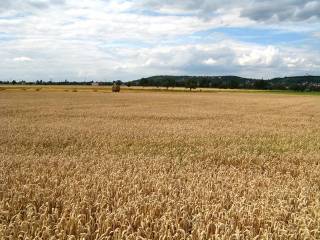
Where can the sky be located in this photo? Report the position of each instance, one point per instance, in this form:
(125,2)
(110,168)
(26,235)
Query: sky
(106,40)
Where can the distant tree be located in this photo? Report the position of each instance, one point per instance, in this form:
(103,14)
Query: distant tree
(204,83)
(166,82)
(261,84)
(144,82)
(119,82)
(298,87)
(234,84)
(191,83)
(278,86)
(172,82)
(157,83)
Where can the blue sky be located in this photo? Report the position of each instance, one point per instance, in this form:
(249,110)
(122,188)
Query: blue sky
(104,40)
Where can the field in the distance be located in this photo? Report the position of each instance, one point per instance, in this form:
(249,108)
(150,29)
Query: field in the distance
(138,89)
(89,165)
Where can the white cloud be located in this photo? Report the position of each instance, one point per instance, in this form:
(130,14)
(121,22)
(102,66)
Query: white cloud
(259,56)
(64,60)
(210,61)
(119,39)
(22,59)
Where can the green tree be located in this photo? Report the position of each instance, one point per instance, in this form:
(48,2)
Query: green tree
(144,82)
(234,84)
(261,84)
(168,81)
(190,83)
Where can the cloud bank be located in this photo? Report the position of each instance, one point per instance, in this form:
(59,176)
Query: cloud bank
(118,39)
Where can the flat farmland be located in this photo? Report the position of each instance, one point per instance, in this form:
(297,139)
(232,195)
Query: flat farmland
(159,165)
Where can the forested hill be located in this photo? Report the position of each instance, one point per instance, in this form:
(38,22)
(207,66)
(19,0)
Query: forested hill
(299,83)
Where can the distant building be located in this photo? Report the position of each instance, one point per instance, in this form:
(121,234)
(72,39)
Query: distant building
(95,84)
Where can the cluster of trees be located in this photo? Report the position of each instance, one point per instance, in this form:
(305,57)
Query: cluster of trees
(66,82)
(300,83)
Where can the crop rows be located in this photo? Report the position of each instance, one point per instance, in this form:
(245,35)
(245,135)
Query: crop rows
(89,165)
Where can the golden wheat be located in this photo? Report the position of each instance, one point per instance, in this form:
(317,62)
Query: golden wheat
(89,165)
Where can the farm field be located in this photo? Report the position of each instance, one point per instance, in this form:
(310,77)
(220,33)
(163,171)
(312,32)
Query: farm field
(139,89)
(107,89)
(159,165)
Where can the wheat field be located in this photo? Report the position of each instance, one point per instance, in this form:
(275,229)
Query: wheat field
(90,165)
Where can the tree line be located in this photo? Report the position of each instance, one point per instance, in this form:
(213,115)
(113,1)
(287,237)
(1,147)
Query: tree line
(298,83)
